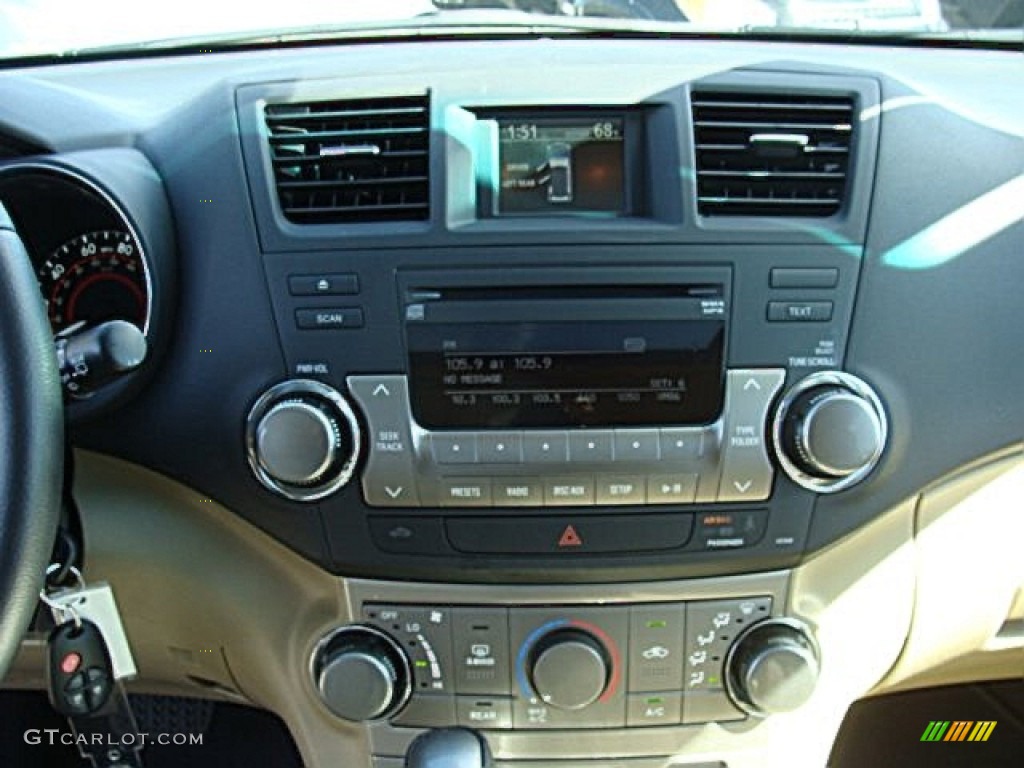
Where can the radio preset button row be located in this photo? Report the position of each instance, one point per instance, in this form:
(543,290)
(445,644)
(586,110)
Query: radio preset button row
(573,490)
(597,446)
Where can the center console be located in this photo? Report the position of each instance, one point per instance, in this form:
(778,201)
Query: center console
(545,424)
(564,424)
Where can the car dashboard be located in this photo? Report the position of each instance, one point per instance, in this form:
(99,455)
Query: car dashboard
(637,402)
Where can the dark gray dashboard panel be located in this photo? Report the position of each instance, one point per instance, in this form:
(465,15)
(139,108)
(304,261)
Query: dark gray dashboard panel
(938,341)
(937,326)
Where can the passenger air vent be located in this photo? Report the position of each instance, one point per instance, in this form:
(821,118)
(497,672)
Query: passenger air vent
(351,161)
(771,154)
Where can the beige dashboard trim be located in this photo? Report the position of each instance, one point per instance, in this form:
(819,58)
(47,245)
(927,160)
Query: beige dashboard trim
(206,595)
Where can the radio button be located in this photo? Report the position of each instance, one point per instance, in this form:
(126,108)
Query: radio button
(465,492)
(671,489)
(621,489)
(568,491)
(518,492)
(592,446)
(545,447)
(453,447)
(637,445)
(499,447)
(679,444)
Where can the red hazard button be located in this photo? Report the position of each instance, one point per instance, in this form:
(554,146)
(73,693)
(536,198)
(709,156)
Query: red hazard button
(569,538)
(70,663)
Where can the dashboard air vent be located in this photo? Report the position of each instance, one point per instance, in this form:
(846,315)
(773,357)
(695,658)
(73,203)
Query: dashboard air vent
(761,154)
(351,161)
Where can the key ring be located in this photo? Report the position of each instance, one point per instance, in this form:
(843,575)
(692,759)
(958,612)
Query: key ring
(64,609)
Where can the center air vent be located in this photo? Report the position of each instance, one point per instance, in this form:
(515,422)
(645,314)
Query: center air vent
(764,154)
(351,161)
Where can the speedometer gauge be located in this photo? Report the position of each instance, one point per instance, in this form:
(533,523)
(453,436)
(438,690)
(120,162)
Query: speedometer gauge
(93,278)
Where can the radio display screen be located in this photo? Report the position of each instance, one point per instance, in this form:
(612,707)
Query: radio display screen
(562,374)
(551,165)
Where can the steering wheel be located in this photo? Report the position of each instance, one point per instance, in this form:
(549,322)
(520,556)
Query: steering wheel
(31,442)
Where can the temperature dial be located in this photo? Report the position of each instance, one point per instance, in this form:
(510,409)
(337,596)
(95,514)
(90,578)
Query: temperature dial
(829,432)
(303,440)
(772,667)
(569,669)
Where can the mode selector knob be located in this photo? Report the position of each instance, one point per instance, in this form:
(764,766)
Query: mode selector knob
(772,667)
(362,674)
(830,431)
(569,669)
(303,440)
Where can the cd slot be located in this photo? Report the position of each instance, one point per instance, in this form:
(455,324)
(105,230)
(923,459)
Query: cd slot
(512,293)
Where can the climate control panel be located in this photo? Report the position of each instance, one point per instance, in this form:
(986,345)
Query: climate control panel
(538,667)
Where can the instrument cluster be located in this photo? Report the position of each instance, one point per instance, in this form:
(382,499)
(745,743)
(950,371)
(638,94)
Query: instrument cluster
(96,278)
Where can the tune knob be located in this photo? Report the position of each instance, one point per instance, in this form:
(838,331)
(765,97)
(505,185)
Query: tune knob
(569,669)
(830,431)
(303,440)
(772,667)
(362,674)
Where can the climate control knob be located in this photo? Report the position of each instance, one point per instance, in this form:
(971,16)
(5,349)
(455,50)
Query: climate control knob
(772,667)
(830,431)
(362,674)
(303,440)
(569,669)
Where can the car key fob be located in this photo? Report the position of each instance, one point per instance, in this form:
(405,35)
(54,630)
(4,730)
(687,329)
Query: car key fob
(80,675)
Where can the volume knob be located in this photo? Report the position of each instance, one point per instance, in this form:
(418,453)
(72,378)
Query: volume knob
(830,431)
(298,441)
(303,440)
